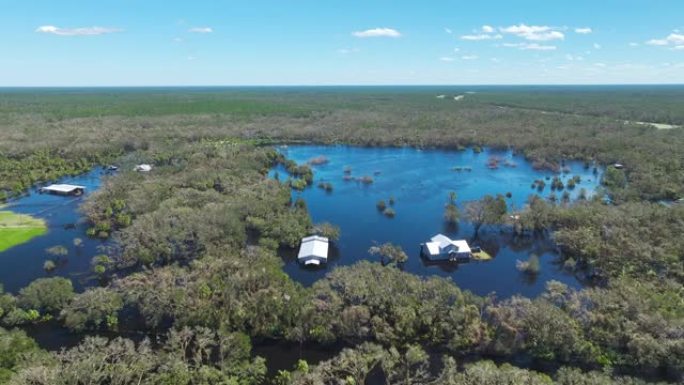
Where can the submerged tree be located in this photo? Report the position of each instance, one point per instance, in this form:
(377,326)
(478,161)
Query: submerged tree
(381,205)
(57,251)
(49,265)
(531,266)
(451,213)
(487,211)
(327,230)
(389,253)
(389,212)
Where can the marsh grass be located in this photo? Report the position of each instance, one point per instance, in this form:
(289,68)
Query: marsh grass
(16,229)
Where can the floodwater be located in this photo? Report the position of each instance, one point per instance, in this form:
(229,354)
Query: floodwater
(22,264)
(420,181)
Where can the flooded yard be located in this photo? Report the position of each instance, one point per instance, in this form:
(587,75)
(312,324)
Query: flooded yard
(418,182)
(65,242)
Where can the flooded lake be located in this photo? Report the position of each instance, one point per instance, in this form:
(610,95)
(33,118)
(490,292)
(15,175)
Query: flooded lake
(419,181)
(23,263)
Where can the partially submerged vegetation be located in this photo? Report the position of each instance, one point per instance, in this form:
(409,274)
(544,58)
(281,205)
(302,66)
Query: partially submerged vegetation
(194,241)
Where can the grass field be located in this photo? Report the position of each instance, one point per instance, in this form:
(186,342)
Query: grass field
(482,256)
(16,229)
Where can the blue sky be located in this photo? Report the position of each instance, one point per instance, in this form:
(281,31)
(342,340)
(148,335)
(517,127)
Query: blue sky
(317,42)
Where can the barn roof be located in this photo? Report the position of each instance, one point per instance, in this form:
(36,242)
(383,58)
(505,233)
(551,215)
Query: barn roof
(63,188)
(313,247)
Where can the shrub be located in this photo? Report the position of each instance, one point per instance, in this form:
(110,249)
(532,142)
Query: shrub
(389,212)
(531,266)
(49,265)
(327,230)
(327,186)
(381,205)
(57,251)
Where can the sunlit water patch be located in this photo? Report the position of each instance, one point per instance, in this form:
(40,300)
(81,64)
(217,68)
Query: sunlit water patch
(419,182)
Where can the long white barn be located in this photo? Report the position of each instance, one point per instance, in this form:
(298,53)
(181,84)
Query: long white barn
(63,189)
(313,250)
(442,248)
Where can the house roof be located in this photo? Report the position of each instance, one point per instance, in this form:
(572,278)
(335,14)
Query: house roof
(313,247)
(433,248)
(441,241)
(63,188)
(462,246)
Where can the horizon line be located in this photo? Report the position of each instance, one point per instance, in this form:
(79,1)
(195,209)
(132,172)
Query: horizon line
(341,85)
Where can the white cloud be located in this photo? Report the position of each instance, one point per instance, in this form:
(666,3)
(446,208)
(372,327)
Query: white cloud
(84,31)
(530,46)
(534,32)
(457,49)
(481,36)
(657,42)
(602,65)
(449,31)
(570,57)
(632,44)
(347,51)
(446,59)
(674,40)
(201,30)
(597,46)
(469,57)
(487,29)
(538,47)
(377,32)
(583,31)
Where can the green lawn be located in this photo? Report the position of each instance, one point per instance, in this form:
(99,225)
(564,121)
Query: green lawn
(16,229)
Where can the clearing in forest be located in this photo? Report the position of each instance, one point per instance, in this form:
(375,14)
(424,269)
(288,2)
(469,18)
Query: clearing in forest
(16,229)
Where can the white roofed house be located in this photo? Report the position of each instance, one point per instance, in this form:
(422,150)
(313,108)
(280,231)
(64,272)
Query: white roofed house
(143,168)
(313,250)
(443,248)
(63,189)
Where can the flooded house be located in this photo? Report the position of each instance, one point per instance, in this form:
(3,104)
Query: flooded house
(313,250)
(443,248)
(63,189)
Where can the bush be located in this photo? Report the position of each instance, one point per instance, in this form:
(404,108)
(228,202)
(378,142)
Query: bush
(381,205)
(327,230)
(389,212)
(389,253)
(531,266)
(94,308)
(327,186)
(46,294)
(57,251)
(49,265)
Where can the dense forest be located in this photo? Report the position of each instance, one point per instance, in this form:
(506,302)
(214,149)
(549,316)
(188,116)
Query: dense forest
(193,264)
